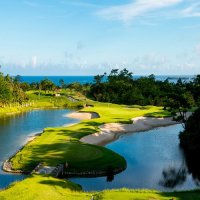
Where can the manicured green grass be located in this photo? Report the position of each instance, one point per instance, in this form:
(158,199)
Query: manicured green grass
(126,194)
(37,187)
(80,157)
(9,110)
(43,101)
(122,113)
(58,145)
(43,188)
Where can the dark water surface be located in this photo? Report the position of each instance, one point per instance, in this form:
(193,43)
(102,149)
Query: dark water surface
(154,161)
(14,131)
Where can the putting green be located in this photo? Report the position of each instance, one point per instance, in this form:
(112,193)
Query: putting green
(79,156)
(83,152)
(60,145)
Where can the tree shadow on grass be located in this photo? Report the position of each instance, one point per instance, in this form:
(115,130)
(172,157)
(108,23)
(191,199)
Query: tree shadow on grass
(123,121)
(60,145)
(75,133)
(185,195)
(78,155)
(61,183)
(92,123)
(159,114)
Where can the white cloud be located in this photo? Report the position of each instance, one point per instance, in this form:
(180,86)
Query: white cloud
(192,10)
(34,61)
(197,49)
(138,8)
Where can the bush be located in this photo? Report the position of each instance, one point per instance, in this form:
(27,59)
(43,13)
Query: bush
(190,137)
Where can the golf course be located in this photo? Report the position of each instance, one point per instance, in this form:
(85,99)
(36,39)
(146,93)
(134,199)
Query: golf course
(62,145)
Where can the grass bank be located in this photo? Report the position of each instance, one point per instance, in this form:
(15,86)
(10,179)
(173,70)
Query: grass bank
(127,194)
(60,145)
(47,188)
(57,145)
(42,101)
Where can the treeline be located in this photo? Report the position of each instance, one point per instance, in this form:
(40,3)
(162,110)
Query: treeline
(117,87)
(10,91)
(13,90)
(47,85)
(120,87)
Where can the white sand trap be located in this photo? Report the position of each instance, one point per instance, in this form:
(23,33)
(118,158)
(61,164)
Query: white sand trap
(83,115)
(111,131)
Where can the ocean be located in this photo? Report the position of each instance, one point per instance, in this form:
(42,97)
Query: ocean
(89,79)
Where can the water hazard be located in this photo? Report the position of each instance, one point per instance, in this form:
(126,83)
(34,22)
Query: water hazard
(154,161)
(154,158)
(14,131)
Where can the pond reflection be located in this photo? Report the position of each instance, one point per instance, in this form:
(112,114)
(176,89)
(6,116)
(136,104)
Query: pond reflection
(154,161)
(110,175)
(173,177)
(193,166)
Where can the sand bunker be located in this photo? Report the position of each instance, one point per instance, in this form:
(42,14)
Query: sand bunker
(111,131)
(83,115)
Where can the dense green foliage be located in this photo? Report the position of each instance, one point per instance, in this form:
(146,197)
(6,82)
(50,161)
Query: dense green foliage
(10,91)
(17,96)
(190,142)
(120,87)
(190,137)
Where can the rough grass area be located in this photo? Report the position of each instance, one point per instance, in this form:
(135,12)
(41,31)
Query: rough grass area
(43,188)
(58,145)
(47,188)
(42,101)
(49,100)
(126,194)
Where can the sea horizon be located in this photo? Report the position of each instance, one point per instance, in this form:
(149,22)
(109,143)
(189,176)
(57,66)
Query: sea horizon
(90,78)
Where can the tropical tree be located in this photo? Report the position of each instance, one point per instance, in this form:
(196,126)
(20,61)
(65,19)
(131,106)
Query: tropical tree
(62,83)
(190,137)
(190,142)
(5,91)
(47,85)
(179,104)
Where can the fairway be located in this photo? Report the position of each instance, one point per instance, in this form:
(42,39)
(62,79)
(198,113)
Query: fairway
(83,153)
(61,145)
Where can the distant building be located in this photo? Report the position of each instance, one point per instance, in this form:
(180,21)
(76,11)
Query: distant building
(57,92)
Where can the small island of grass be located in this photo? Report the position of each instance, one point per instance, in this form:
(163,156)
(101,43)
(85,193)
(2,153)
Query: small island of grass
(61,145)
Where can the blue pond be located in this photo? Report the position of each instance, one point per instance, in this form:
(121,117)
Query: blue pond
(154,161)
(14,131)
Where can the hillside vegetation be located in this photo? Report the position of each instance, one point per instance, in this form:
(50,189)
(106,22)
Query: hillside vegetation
(48,188)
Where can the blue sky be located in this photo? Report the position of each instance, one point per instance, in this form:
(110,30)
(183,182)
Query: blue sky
(86,37)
